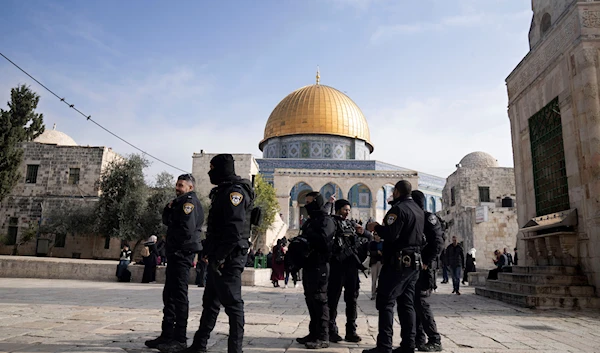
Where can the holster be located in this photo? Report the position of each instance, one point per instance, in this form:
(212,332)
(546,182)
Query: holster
(407,259)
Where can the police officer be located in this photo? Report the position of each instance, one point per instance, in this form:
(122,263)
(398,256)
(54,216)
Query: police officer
(318,231)
(227,243)
(184,218)
(425,323)
(402,234)
(344,271)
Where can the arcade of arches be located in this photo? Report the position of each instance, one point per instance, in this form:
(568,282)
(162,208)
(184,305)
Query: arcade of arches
(367,191)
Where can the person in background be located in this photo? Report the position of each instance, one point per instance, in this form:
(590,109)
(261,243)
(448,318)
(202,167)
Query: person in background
(149,259)
(124,260)
(470,265)
(278,266)
(509,257)
(516,259)
(250,261)
(161,247)
(375,262)
(444,265)
(500,261)
(456,261)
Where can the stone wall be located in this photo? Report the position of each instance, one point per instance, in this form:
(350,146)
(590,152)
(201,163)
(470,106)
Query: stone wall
(501,227)
(564,64)
(29,201)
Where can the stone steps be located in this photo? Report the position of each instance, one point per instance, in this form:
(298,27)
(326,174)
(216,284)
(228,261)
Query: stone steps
(541,302)
(574,280)
(532,289)
(546,270)
(542,287)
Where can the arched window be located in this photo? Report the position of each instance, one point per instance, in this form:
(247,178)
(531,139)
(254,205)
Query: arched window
(546,23)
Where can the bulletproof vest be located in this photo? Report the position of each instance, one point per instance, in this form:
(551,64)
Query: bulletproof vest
(345,236)
(252,215)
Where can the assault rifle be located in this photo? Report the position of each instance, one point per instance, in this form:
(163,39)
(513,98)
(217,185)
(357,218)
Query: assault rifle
(347,250)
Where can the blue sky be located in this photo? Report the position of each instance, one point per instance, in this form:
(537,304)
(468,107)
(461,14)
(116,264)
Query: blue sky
(178,77)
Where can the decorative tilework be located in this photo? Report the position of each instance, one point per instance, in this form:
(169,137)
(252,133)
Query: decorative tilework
(316,150)
(284,151)
(327,150)
(294,150)
(305,150)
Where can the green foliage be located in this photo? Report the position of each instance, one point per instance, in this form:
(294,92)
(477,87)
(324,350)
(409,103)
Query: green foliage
(160,194)
(266,199)
(123,199)
(76,218)
(18,124)
(26,236)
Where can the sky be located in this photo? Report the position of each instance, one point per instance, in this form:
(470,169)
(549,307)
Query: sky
(174,78)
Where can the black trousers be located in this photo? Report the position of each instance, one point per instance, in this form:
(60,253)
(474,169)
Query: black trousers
(396,287)
(226,290)
(343,275)
(426,328)
(315,292)
(201,268)
(175,296)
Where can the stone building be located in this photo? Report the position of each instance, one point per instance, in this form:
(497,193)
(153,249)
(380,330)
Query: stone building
(554,112)
(317,138)
(479,206)
(55,171)
(554,109)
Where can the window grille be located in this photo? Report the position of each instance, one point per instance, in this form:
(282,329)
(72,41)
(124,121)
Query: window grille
(452,197)
(32,171)
(60,240)
(73,176)
(484,194)
(548,159)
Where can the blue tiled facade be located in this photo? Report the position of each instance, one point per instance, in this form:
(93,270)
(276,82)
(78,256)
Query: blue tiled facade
(430,185)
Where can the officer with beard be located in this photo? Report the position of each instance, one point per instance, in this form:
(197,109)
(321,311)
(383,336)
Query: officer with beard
(344,270)
(229,223)
(402,234)
(184,218)
(425,323)
(318,231)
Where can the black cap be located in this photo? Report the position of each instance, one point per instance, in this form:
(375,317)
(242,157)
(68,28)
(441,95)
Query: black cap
(341,203)
(419,198)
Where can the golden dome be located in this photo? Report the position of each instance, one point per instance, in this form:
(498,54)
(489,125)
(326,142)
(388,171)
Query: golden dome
(317,109)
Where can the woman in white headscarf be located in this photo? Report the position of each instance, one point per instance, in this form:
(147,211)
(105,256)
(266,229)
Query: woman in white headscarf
(470,265)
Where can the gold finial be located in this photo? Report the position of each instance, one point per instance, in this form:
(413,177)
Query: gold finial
(318,75)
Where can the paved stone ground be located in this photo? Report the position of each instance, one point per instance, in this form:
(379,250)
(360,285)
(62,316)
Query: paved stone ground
(80,316)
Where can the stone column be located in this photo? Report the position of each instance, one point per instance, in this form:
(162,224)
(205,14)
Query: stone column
(295,223)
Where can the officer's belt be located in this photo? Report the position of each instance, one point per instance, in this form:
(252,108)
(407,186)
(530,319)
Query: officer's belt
(406,258)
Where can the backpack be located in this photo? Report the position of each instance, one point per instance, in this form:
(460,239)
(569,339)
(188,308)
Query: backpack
(298,252)
(279,255)
(145,252)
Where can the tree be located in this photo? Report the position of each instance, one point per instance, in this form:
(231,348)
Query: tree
(75,218)
(266,199)
(123,198)
(160,194)
(20,123)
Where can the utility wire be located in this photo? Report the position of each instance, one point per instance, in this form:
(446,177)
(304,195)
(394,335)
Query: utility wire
(89,117)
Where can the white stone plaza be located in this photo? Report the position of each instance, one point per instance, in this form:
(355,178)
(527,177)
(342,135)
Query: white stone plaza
(38,315)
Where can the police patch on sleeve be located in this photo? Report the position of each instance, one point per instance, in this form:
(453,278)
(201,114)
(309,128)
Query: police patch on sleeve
(188,208)
(236,198)
(432,219)
(391,218)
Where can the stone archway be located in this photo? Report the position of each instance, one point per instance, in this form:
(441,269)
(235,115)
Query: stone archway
(360,198)
(331,189)
(297,213)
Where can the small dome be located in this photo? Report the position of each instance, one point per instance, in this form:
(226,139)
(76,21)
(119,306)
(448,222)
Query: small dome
(478,160)
(55,137)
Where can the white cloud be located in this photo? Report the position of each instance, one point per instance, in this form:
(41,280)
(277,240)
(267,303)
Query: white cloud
(469,19)
(432,135)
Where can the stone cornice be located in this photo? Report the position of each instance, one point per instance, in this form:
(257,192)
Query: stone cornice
(345,173)
(561,37)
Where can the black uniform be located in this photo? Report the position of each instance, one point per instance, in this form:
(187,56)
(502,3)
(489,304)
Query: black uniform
(318,230)
(344,274)
(227,251)
(402,233)
(425,323)
(184,218)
